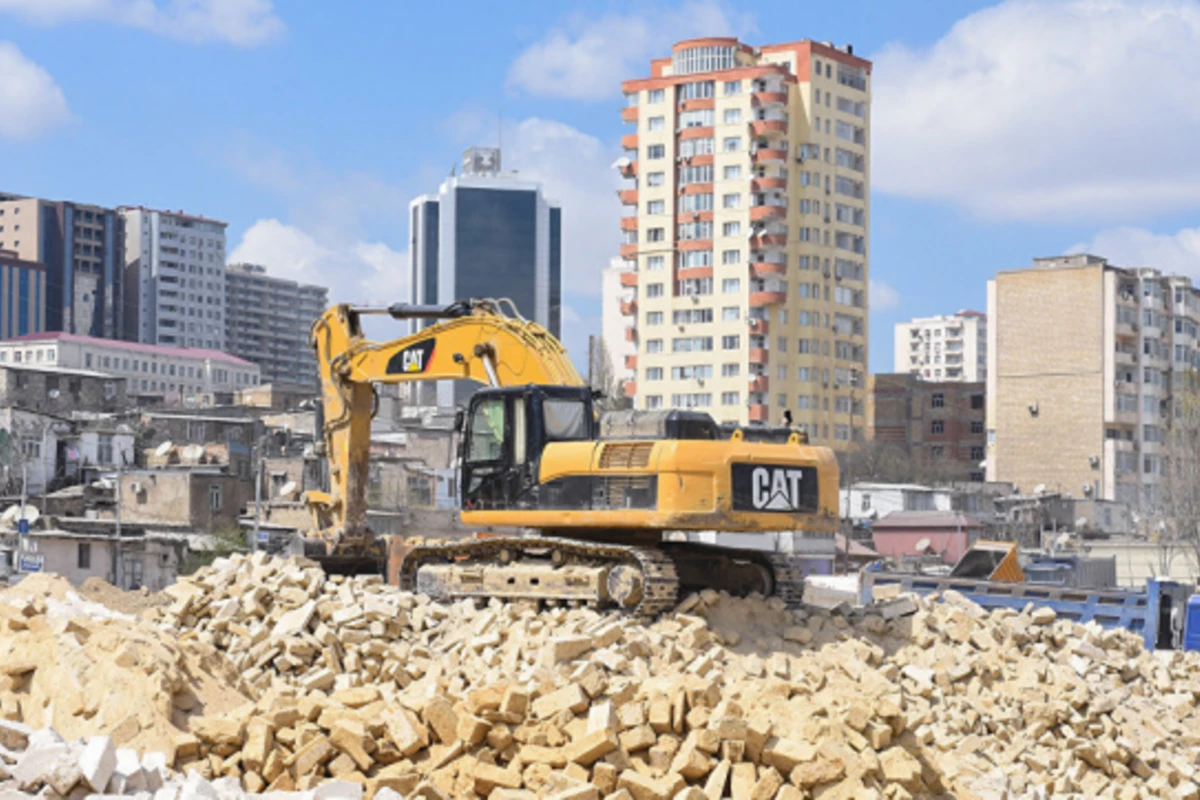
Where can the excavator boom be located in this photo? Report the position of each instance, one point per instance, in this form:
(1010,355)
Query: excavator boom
(469,340)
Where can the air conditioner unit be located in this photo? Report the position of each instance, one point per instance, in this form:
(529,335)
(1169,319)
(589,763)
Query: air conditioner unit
(700,381)
(136,487)
(1094,461)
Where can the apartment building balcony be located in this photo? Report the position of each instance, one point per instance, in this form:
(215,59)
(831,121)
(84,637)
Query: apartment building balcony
(769,155)
(767,269)
(628,307)
(703,132)
(629,170)
(759,412)
(758,326)
(629,141)
(629,279)
(631,388)
(759,355)
(759,383)
(631,334)
(766,211)
(767,298)
(1125,358)
(693,273)
(629,197)
(629,114)
(765,240)
(769,98)
(769,182)
(631,362)
(629,251)
(629,223)
(694,244)
(697,104)
(769,127)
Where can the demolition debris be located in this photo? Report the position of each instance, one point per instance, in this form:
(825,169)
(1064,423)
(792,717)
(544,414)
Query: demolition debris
(262,675)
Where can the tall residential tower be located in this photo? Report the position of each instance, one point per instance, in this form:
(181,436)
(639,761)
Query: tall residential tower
(746,231)
(952,349)
(268,322)
(174,278)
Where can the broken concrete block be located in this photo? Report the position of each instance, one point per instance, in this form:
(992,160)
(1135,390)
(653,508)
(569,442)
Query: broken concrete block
(97,762)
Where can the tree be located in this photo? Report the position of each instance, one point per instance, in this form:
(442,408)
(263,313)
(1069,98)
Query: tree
(884,462)
(1178,524)
(603,378)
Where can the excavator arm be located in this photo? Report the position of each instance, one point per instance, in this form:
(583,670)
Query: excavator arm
(470,340)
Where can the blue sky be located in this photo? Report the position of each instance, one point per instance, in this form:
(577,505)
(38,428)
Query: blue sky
(1000,131)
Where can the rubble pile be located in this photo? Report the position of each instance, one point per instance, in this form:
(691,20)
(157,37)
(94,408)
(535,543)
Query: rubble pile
(348,685)
(75,666)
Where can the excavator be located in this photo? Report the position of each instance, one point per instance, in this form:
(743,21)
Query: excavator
(600,505)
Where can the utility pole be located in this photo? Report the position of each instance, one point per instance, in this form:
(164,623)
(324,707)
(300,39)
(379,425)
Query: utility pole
(258,482)
(118,568)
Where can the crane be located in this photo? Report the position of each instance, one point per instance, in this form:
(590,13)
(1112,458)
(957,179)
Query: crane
(599,502)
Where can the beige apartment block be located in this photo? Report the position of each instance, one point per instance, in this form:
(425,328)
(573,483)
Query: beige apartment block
(747,212)
(1083,357)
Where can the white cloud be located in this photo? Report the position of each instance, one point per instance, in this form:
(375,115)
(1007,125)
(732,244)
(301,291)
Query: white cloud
(883,297)
(1035,110)
(354,271)
(588,59)
(30,101)
(1177,253)
(240,22)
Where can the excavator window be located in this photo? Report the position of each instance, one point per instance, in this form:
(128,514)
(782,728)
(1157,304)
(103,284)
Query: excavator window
(565,420)
(487,431)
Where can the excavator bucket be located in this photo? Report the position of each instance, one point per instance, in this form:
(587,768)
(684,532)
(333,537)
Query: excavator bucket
(990,561)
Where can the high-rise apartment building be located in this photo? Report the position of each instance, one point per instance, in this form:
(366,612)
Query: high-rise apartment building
(943,348)
(80,247)
(268,321)
(619,345)
(746,230)
(1083,360)
(174,278)
(487,233)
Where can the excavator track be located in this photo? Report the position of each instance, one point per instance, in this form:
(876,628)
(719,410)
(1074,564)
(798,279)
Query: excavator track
(637,579)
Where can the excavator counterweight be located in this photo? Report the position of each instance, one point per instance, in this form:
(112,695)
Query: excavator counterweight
(604,510)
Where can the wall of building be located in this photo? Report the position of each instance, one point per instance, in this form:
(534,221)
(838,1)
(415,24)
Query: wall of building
(22,295)
(77,557)
(943,348)
(202,500)
(949,544)
(60,392)
(1049,377)
(905,411)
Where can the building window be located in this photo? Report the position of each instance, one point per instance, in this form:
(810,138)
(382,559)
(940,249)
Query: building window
(83,557)
(731,257)
(938,400)
(104,450)
(656,151)
(936,452)
(732,172)
(654,318)
(656,207)
(731,285)
(731,200)
(87,360)
(654,373)
(654,290)
(731,314)
(731,398)
(976,401)
(654,401)
(976,427)
(654,179)
(214,497)
(655,95)
(731,229)
(654,346)
(656,123)
(937,426)
(654,262)
(733,87)
(732,144)
(976,453)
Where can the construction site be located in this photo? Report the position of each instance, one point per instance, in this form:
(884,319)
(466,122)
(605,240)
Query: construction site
(258,676)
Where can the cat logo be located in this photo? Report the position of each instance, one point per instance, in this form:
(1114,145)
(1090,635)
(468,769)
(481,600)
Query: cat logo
(768,487)
(412,359)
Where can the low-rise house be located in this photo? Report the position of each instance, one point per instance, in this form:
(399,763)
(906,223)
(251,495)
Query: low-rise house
(947,534)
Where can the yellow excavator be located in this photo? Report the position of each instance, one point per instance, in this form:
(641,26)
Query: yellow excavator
(596,502)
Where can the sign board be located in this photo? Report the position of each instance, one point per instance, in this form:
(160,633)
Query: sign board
(30,562)
(22,525)
(771,487)
(264,537)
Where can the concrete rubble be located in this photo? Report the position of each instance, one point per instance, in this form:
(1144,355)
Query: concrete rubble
(348,688)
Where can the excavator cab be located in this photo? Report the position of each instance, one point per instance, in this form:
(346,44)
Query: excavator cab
(503,434)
